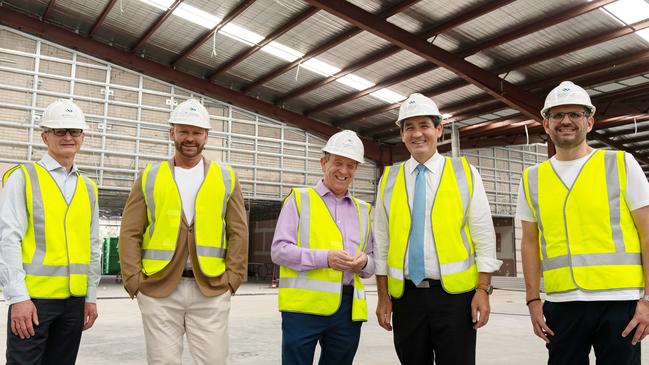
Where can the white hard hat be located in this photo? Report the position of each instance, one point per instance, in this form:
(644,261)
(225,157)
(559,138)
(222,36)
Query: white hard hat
(567,93)
(417,105)
(347,144)
(191,112)
(62,114)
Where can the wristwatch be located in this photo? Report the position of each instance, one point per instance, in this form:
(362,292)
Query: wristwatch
(490,289)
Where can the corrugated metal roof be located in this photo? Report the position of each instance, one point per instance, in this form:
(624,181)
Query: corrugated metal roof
(123,29)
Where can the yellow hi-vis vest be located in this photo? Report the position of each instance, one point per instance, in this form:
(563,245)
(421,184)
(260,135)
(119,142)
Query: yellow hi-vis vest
(56,245)
(587,238)
(164,214)
(319,291)
(451,235)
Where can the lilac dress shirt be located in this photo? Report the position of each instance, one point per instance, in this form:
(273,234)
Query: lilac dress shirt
(284,250)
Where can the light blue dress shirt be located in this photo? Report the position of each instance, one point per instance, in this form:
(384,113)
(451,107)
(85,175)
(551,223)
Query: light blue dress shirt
(13,225)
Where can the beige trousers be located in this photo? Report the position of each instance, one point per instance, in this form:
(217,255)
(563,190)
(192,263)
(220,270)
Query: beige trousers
(186,311)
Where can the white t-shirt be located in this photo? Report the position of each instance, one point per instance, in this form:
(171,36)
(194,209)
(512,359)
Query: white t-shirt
(189,181)
(637,196)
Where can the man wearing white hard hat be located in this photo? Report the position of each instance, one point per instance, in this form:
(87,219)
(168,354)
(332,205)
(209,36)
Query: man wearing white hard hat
(183,245)
(435,246)
(324,246)
(49,245)
(585,219)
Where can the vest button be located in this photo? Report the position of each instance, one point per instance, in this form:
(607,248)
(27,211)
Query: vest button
(191,229)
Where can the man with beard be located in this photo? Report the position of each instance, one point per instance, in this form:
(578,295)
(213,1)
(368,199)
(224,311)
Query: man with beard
(183,245)
(585,219)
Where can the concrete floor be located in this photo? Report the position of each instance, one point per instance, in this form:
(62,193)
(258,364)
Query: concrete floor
(255,331)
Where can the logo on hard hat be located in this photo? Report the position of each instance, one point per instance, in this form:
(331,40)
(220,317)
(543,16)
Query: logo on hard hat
(348,142)
(69,110)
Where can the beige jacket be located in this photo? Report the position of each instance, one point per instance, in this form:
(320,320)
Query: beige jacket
(161,284)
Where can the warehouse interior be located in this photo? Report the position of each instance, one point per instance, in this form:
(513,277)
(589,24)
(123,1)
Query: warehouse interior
(279,77)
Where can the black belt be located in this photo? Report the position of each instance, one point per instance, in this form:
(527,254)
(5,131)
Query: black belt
(188,273)
(348,289)
(426,283)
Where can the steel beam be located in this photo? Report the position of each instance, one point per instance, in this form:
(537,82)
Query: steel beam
(159,71)
(102,18)
(149,32)
(466,108)
(625,131)
(522,31)
(585,42)
(473,13)
(505,91)
(609,142)
(548,21)
(631,137)
(48,10)
(240,8)
(323,47)
(281,30)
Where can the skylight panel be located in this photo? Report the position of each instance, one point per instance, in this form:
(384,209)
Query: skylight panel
(644,33)
(281,51)
(629,11)
(355,82)
(320,67)
(196,16)
(241,34)
(388,96)
(160,4)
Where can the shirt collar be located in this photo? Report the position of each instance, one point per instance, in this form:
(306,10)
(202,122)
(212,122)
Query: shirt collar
(411,164)
(323,190)
(51,164)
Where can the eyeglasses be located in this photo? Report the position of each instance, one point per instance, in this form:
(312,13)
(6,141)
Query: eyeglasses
(573,116)
(61,132)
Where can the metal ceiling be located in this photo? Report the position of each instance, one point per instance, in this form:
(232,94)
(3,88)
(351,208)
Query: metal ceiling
(489,63)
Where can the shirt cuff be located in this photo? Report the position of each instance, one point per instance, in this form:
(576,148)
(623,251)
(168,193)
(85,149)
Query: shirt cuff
(368,270)
(91,294)
(16,293)
(380,267)
(321,258)
(488,264)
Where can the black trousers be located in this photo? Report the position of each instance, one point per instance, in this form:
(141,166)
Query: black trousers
(432,326)
(57,336)
(579,325)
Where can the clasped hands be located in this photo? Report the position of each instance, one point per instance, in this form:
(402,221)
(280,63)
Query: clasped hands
(342,261)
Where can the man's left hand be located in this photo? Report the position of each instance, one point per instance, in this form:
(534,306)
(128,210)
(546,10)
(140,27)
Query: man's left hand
(360,260)
(480,308)
(640,322)
(89,315)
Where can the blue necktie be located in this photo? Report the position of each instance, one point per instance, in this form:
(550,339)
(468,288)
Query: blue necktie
(416,241)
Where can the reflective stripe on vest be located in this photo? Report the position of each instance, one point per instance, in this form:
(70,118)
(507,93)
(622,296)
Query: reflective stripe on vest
(164,212)
(586,240)
(56,245)
(319,291)
(449,217)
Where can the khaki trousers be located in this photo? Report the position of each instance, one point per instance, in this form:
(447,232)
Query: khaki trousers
(186,311)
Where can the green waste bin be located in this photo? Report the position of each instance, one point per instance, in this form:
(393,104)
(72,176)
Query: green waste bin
(110,257)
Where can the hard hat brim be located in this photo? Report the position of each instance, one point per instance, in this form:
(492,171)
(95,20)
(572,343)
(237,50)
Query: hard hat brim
(354,157)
